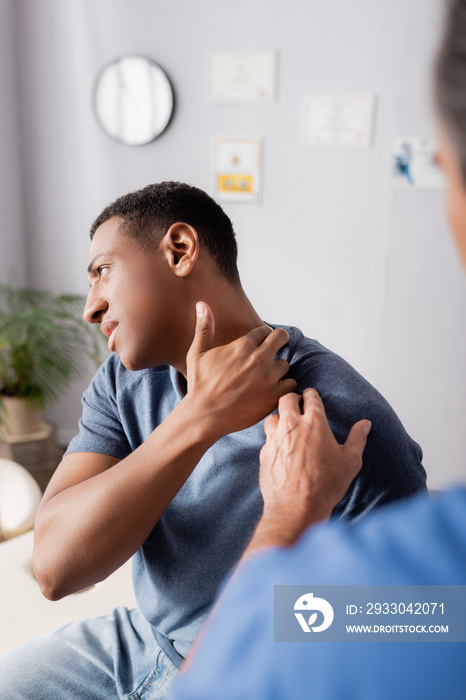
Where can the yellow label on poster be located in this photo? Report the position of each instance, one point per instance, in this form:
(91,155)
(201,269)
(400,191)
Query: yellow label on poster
(235,183)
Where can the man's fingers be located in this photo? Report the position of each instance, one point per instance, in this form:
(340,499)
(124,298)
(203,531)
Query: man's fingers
(275,340)
(289,404)
(312,401)
(285,386)
(259,334)
(205,329)
(270,424)
(282,367)
(271,339)
(357,438)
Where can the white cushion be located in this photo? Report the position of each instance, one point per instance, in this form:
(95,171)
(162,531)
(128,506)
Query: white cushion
(19,499)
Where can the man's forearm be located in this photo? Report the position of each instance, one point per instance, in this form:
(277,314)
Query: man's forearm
(86,531)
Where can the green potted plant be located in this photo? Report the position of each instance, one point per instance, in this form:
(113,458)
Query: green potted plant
(43,342)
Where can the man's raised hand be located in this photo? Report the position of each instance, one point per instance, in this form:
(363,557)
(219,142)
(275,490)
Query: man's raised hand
(238,384)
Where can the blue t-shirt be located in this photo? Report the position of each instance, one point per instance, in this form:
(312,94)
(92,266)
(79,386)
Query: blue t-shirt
(420,541)
(208,524)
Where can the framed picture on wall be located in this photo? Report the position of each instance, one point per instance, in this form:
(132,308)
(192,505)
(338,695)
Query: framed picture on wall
(337,120)
(237,170)
(413,164)
(242,76)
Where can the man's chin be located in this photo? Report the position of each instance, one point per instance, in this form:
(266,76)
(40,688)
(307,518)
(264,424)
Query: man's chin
(135,365)
(132,365)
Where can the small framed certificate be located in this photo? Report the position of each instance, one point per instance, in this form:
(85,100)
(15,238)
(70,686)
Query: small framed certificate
(237,170)
(337,121)
(242,76)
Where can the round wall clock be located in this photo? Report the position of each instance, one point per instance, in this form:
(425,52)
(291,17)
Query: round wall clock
(133,100)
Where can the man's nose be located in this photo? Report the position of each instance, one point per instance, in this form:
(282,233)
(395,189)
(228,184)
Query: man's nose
(94,308)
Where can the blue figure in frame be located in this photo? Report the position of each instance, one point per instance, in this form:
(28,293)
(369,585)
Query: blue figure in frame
(403,161)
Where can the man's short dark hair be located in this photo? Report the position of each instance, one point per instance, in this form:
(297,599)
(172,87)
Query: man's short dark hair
(450,82)
(147,214)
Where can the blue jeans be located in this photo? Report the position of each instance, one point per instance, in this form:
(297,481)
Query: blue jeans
(114,656)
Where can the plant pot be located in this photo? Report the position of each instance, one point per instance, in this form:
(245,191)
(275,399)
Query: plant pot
(18,418)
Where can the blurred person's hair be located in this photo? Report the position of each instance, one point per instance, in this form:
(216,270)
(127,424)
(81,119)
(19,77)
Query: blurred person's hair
(450,79)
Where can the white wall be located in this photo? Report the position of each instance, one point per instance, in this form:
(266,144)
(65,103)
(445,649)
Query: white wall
(12,258)
(367,270)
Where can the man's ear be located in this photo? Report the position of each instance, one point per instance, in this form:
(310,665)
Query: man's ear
(181,248)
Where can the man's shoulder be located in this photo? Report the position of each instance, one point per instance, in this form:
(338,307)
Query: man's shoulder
(299,345)
(392,465)
(120,406)
(313,364)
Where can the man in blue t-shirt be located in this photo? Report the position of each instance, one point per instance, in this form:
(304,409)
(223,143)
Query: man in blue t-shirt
(165,465)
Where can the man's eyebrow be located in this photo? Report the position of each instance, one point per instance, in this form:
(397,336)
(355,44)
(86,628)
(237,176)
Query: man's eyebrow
(91,266)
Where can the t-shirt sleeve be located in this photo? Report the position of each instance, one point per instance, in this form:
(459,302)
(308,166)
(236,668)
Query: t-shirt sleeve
(392,461)
(100,426)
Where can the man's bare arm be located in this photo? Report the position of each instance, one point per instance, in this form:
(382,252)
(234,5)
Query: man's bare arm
(304,472)
(97,511)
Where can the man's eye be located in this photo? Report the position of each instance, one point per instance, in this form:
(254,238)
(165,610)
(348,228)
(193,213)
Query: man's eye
(101,269)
